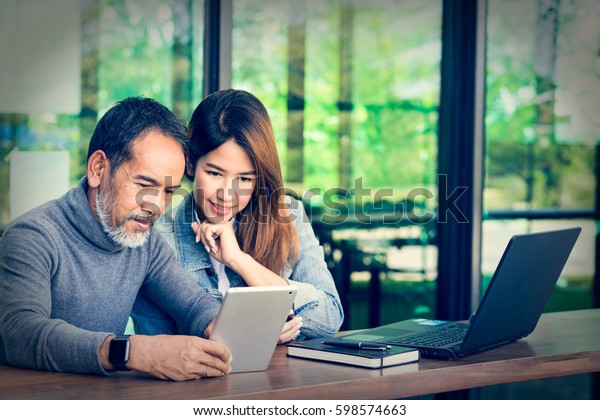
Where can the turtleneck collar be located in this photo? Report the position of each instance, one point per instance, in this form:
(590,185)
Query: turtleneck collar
(82,218)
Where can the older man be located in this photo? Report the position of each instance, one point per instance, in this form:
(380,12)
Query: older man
(71,269)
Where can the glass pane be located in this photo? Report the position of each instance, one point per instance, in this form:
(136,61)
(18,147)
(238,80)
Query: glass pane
(542,130)
(136,38)
(543,100)
(137,48)
(259,58)
(574,287)
(138,53)
(352,88)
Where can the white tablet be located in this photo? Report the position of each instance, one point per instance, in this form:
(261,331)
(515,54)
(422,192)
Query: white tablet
(249,324)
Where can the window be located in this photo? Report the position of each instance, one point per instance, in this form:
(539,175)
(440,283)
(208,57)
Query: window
(353,90)
(128,48)
(542,131)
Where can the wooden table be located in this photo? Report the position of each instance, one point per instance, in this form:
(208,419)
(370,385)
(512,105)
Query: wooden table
(564,343)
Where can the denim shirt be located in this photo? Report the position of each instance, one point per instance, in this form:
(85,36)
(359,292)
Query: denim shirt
(317,300)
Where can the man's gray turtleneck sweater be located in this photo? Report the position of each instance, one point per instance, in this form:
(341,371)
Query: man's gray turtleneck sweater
(65,286)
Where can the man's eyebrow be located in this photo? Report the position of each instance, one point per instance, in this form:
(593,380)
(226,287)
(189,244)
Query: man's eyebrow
(212,165)
(154,182)
(148,180)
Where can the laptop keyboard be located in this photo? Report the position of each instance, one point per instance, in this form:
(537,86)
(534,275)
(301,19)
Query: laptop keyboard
(439,337)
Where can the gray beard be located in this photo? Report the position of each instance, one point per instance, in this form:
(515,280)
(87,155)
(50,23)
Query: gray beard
(105,204)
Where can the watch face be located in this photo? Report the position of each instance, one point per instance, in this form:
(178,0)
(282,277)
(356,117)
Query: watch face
(119,350)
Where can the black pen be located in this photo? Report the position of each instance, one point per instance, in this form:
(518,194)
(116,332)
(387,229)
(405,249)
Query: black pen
(357,345)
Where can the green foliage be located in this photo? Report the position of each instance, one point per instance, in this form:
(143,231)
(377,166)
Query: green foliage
(135,54)
(531,165)
(395,61)
(395,86)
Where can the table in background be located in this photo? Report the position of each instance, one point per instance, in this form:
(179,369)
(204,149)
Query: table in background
(564,343)
(361,244)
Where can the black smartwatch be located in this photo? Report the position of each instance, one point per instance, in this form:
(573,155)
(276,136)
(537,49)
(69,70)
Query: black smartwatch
(118,352)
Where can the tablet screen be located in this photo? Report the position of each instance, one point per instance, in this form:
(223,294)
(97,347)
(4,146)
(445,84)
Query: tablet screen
(249,324)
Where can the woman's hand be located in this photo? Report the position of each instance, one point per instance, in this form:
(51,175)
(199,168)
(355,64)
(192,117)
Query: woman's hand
(219,240)
(291,329)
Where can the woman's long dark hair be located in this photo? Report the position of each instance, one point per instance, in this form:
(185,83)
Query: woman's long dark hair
(266,230)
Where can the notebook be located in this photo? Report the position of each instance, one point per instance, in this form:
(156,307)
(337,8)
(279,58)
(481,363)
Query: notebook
(509,310)
(317,349)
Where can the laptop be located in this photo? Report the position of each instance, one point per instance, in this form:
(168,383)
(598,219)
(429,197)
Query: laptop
(509,310)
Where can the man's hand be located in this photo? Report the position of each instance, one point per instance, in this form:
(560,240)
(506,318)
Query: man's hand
(178,357)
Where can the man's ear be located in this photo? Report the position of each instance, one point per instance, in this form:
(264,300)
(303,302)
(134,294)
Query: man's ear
(189,168)
(97,166)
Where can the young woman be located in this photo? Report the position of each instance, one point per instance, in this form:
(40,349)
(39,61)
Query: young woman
(237,228)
